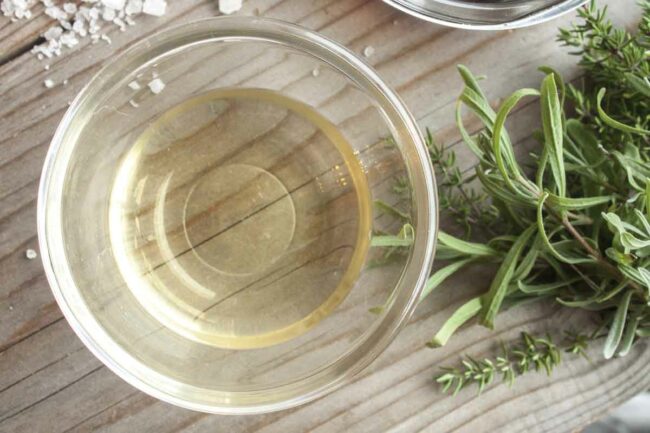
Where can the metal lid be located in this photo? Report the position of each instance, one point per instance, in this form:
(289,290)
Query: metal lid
(486,14)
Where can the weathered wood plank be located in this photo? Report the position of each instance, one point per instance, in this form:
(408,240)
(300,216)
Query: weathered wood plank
(48,381)
(18,37)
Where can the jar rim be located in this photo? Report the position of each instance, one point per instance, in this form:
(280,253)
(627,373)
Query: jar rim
(486,15)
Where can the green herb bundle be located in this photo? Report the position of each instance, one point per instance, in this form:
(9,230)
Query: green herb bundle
(573,224)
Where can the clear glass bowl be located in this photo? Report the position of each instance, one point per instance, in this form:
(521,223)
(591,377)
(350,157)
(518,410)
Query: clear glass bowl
(205,215)
(486,14)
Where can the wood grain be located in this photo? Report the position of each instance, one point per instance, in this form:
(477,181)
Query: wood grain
(50,382)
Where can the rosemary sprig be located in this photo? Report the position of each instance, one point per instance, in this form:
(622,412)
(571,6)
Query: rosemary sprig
(574,225)
(578,230)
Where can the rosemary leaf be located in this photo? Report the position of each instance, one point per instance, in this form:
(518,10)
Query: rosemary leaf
(612,122)
(616,328)
(464,313)
(553,135)
(442,274)
(499,287)
(464,247)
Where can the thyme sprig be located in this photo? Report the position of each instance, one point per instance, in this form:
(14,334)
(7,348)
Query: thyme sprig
(530,354)
(467,206)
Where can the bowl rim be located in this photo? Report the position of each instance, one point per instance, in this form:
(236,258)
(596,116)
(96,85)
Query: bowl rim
(461,22)
(138,374)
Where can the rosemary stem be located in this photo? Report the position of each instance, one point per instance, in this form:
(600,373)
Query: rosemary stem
(613,270)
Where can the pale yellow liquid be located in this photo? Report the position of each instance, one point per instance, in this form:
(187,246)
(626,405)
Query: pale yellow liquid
(240,218)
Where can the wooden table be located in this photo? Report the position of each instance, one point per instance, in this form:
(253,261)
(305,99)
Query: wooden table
(49,382)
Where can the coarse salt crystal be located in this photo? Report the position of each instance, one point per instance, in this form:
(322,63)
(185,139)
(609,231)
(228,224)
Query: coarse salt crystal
(79,27)
(154,7)
(133,103)
(47,67)
(134,85)
(48,83)
(368,51)
(31,254)
(120,23)
(93,13)
(316,71)
(82,12)
(156,85)
(114,4)
(17,9)
(53,33)
(69,8)
(105,37)
(7,9)
(133,7)
(56,13)
(229,6)
(84,19)
(108,14)
(47,49)
(93,27)
(69,39)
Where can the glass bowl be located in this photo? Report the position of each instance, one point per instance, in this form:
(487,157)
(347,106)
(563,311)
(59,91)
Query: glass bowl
(486,14)
(206,215)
